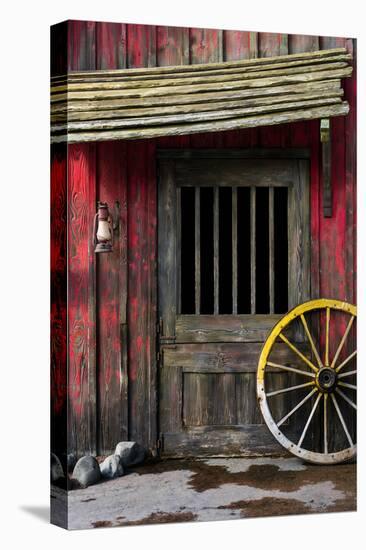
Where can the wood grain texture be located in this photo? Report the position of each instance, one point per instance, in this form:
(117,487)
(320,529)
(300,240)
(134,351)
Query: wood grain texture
(111,46)
(81,45)
(81,315)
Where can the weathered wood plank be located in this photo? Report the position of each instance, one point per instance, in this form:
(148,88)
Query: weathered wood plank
(81,46)
(298,43)
(170,400)
(234,153)
(205,46)
(184,99)
(224,328)
(172,46)
(196,128)
(225,357)
(148,70)
(141,51)
(198,406)
(272,44)
(237,172)
(239,45)
(111,46)
(250,440)
(81,288)
(167,269)
(190,118)
(254,80)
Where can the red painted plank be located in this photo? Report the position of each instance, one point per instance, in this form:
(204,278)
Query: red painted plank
(58,299)
(81,376)
(173,49)
(112,188)
(239,45)
(328,42)
(111,45)
(81,45)
(141,41)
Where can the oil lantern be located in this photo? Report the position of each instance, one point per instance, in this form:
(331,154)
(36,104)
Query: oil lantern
(103,229)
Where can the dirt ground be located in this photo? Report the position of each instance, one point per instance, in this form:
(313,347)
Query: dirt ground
(212,489)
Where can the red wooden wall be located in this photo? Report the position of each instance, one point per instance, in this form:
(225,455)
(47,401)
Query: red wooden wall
(112,298)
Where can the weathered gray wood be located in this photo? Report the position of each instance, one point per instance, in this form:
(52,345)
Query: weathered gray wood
(234,238)
(271,248)
(179,250)
(230,84)
(167,272)
(95,89)
(184,129)
(249,440)
(191,108)
(299,235)
(216,248)
(320,54)
(226,357)
(192,117)
(236,172)
(184,99)
(224,328)
(252,153)
(170,409)
(253,249)
(197,249)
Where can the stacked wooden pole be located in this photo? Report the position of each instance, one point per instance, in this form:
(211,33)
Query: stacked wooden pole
(185,99)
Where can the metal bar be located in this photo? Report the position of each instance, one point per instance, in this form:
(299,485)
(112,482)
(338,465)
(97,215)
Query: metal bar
(271,248)
(216,248)
(290,369)
(252,249)
(234,239)
(197,247)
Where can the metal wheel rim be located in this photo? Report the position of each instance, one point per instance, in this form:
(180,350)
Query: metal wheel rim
(310,456)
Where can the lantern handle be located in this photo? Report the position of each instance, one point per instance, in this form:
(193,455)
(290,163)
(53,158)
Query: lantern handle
(95,229)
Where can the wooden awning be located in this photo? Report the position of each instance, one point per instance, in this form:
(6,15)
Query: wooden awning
(187,99)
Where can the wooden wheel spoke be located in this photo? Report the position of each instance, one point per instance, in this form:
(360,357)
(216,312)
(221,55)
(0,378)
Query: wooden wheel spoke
(349,386)
(327,322)
(346,361)
(298,352)
(302,402)
(309,419)
(290,369)
(345,374)
(325,424)
(340,416)
(291,388)
(341,344)
(346,398)
(311,341)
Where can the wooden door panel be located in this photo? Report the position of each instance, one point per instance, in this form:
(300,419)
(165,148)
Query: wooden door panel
(208,363)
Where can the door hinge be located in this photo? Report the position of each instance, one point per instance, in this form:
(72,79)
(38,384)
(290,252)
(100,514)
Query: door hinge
(159,443)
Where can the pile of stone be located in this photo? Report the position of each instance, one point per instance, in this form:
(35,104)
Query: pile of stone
(87,470)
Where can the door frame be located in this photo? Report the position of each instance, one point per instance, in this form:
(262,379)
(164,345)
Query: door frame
(293,153)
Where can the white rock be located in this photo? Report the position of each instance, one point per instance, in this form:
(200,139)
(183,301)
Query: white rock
(111,467)
(130,452)
(57,472)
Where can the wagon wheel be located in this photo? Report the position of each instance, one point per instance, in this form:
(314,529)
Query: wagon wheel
(324,370)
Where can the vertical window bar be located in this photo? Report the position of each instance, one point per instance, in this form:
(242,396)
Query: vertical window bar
(197,224)
(234,236)
(252,249)
(216,248)
(271,248)
(179,251)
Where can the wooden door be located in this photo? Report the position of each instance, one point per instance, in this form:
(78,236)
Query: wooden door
(233,238)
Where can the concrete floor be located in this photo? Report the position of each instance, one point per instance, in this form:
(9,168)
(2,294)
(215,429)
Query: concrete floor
(212,489)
